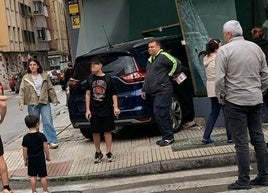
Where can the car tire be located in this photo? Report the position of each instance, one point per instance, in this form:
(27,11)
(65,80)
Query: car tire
(176,113)
(86,133)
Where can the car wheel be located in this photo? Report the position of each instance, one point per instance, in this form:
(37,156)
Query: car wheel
(86,133)
(176,113)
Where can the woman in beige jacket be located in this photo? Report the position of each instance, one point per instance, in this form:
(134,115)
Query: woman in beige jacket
(36,91)
(209,63)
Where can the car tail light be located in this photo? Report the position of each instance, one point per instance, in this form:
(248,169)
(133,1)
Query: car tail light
(73,83)
(133,77)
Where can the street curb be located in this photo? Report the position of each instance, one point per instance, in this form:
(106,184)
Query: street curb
(153,168)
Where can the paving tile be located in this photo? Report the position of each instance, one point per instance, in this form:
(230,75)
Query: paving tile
(75,155)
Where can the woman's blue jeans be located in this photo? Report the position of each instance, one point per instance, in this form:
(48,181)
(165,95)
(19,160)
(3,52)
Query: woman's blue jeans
(212,118)
(48,128)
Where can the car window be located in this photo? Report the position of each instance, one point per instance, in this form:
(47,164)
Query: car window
(114,65)
(118,65)
(81,70)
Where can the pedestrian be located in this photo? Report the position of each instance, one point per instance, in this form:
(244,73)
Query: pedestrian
(35,153)
(161,70)
(68,73)
(3,165)
(241,77)
(258,37)
(36,91)
(101,107)
(209,62)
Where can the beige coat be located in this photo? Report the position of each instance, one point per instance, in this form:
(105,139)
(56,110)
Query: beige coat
(209,63)
(28,94)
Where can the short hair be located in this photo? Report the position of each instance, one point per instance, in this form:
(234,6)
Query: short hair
(31,121)
(96,60)
(257,32)
(39,70)
(157,42)
(212,45)
(233,27)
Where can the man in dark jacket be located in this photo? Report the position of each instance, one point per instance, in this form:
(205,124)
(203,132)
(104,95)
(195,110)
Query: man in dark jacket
(161,70)
(258,37)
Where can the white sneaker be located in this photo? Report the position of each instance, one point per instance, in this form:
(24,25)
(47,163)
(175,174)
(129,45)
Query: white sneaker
(53,145)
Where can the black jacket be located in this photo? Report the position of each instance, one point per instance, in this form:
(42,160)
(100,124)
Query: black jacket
(159,74)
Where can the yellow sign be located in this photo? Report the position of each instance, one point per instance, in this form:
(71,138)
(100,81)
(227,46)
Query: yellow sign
(75,21)
(73,9)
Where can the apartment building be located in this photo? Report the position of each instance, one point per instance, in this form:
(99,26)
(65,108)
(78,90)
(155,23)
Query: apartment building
(26,32)
(58,55)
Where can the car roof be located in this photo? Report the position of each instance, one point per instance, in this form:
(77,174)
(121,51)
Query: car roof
(125,47)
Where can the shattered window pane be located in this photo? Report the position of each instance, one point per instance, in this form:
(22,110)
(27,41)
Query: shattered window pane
(196,37)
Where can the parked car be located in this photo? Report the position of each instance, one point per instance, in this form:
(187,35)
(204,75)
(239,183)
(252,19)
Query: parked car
(53,75)
(14,82)
(126,63)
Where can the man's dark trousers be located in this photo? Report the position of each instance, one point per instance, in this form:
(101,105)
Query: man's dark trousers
(161,109)
(242,119)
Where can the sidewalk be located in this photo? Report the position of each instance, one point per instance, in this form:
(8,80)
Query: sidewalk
(74,157)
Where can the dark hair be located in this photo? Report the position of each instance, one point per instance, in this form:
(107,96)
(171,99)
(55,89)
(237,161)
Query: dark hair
(212,45)
(157,42)
(257,33)
(39,70)
(31,121)
(96,60)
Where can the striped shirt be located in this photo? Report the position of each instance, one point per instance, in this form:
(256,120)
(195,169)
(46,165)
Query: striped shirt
(38,83)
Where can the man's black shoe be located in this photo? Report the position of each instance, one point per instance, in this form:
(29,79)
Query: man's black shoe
(236,186)
(166,142)
(258,182)
(158,142)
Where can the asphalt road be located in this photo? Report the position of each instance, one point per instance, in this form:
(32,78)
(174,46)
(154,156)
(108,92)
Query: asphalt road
(13,125)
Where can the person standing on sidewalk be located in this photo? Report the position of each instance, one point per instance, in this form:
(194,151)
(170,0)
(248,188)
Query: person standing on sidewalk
(36,91)
(3,165)
(209,63)
(101,107)
(35,153)
(241,77)
(161,70)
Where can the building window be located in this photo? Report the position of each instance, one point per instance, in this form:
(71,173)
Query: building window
(37,7)
(25,10)
(41,33)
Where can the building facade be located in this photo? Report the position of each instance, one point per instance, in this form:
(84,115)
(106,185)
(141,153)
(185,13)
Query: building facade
(26,33)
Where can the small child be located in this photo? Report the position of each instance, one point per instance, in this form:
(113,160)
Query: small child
(101,107)
(35,148)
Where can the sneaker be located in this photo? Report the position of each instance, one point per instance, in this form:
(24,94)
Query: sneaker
(258,182)
(158,142)
(236,186)
(230,141)
(98,157)
(206,141)
(53,145)
(110,157)
(166,142)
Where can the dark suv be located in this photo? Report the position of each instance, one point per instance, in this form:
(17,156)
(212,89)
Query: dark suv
(126,63)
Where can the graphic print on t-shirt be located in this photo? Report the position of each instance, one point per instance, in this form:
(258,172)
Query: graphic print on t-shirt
(99,89)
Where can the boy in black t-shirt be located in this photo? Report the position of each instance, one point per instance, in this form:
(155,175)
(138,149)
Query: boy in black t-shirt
(101,106)
(35,148)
